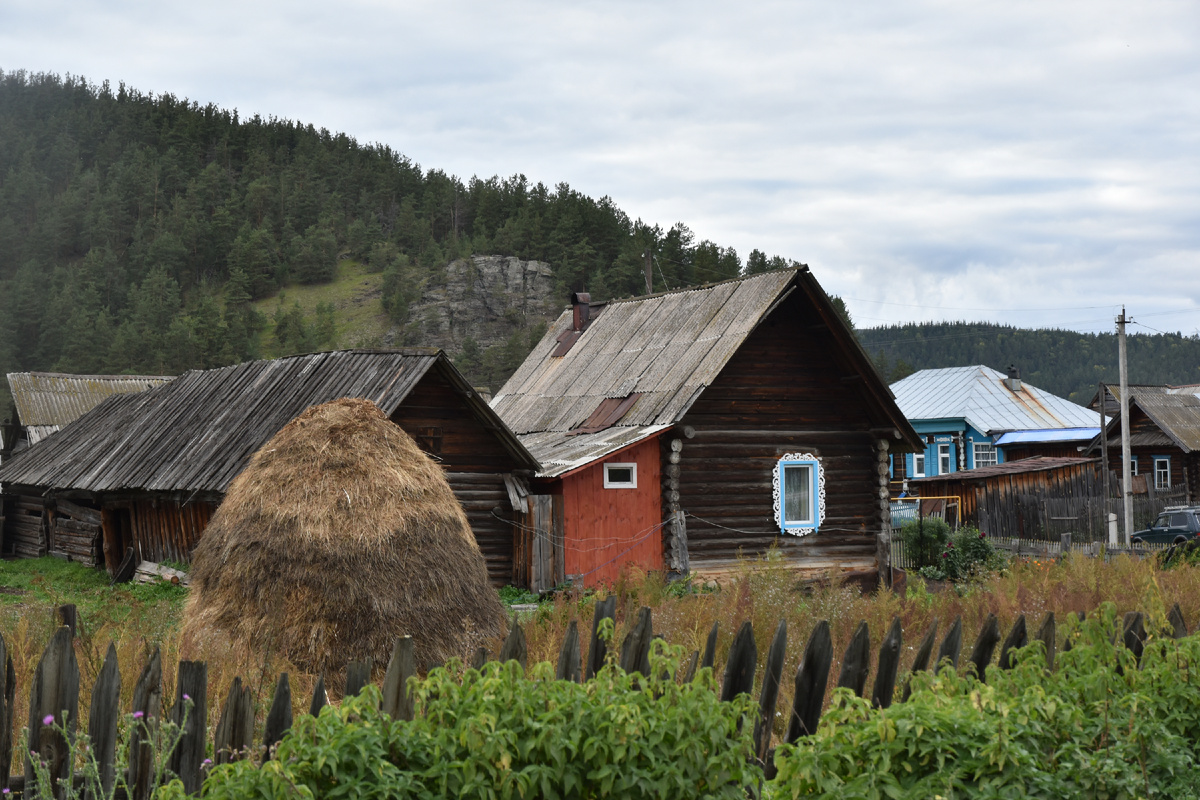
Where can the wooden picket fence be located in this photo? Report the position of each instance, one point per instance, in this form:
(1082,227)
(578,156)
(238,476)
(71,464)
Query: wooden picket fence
(55,689)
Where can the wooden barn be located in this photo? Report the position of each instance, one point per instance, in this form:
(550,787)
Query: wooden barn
(686,429)
(148,470)
(1164,437)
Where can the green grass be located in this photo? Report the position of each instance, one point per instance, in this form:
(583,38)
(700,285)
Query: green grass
(355,294)
(40,583)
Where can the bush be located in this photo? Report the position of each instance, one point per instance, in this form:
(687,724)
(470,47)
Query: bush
(970,555)
(498,733)
(925,539)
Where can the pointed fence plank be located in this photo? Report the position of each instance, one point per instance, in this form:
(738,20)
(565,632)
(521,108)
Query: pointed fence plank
(279,718)
(191,688)
(811,679)
(743,660)
(921,661)
(69,615)
(570,667)
(951,646)
(635,649)
(985,646)
(1175,619)
(597,649)
(358,675)
(710,648)
(320,697)
(688,669)
(235,731)
(397,700)
(856,663)
(1016,639)
(54,693)
(514,648)
(772,674)
(1134,634)
(8,689)
(480,658)
(1048,635)
(889,667)
(147,708)
(103,714)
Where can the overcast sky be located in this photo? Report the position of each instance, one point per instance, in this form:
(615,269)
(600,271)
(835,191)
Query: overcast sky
(1035,163)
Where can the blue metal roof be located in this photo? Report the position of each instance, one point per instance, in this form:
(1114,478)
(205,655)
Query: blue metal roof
(1048,435)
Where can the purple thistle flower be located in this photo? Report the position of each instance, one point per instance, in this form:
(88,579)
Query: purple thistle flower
(187,696)
(48,719)
(139,714)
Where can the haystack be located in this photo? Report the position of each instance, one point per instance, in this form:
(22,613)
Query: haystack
(340,536)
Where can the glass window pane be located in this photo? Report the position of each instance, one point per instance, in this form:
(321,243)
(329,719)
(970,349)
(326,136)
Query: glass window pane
(797,493)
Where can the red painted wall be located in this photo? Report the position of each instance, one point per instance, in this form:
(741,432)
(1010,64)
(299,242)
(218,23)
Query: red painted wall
(607,529)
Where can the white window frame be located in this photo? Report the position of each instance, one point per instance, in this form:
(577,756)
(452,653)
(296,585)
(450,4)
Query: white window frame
(919,465)
(1133,465)
(609,483)
(944,459)
(1166,473)
(817,476)
(989,450)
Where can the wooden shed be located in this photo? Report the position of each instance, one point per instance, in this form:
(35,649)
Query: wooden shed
(148,470)
(683,430)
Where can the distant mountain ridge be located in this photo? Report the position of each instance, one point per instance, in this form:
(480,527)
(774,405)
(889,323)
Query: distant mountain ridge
(1067,363)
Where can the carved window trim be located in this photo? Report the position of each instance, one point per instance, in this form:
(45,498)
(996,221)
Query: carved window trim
(817,476)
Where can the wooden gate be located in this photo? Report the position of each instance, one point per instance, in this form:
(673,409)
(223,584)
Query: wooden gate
(538,552)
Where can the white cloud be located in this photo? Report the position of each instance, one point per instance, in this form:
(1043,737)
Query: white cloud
(1019,156)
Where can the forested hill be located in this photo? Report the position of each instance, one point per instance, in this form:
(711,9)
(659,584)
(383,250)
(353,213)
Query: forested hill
(137,232)
(1067,363)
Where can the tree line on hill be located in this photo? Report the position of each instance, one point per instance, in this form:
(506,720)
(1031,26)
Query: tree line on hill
(1066,363)
(137,229)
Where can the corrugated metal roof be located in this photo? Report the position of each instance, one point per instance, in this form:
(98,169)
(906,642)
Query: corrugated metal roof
(197,432)
(561,454)
(54,399)
(980,396)
(1025,465)
(1176,415)
(1048,435)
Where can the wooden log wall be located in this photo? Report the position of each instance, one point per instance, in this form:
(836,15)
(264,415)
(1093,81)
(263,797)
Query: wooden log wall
(24,525)
(782,392)
(164,529)
(440,421)
(75,531)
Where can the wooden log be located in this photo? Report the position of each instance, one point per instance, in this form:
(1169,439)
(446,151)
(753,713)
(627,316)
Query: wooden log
(1048,635)
(743,660)
(569,665)
(8,689)
(888,668)
(710,648)
(856,663)
(635,648)
(951,646)
(149,572)
(1175,619)
(514,648)
(985,646)
(397,700)
(320,697)
(769,696)
(1016,639)
(358,675)
(279,718)
(190,712)
(605,609)
(147,707)
(812,676)
(235,730)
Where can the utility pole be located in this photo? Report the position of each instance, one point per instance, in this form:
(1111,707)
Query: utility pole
(1126,455)
(1104,474)
(648,254)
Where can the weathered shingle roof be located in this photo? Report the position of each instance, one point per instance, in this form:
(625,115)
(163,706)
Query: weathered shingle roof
(46,401)
(668,347)
(196,433)
(1021,467)
(1176,415)
(980,396)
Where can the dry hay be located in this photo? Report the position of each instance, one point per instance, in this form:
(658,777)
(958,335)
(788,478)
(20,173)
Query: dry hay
(340,536)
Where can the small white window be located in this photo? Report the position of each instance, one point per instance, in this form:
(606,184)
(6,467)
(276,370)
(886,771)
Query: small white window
(1133,465)
(620,476)
(799,487)
(1162,472)
(919,465)
(985,454)
(944,467)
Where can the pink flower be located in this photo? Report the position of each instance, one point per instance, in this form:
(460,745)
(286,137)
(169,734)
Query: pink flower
(187,696)
(48,719)
(139,714)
